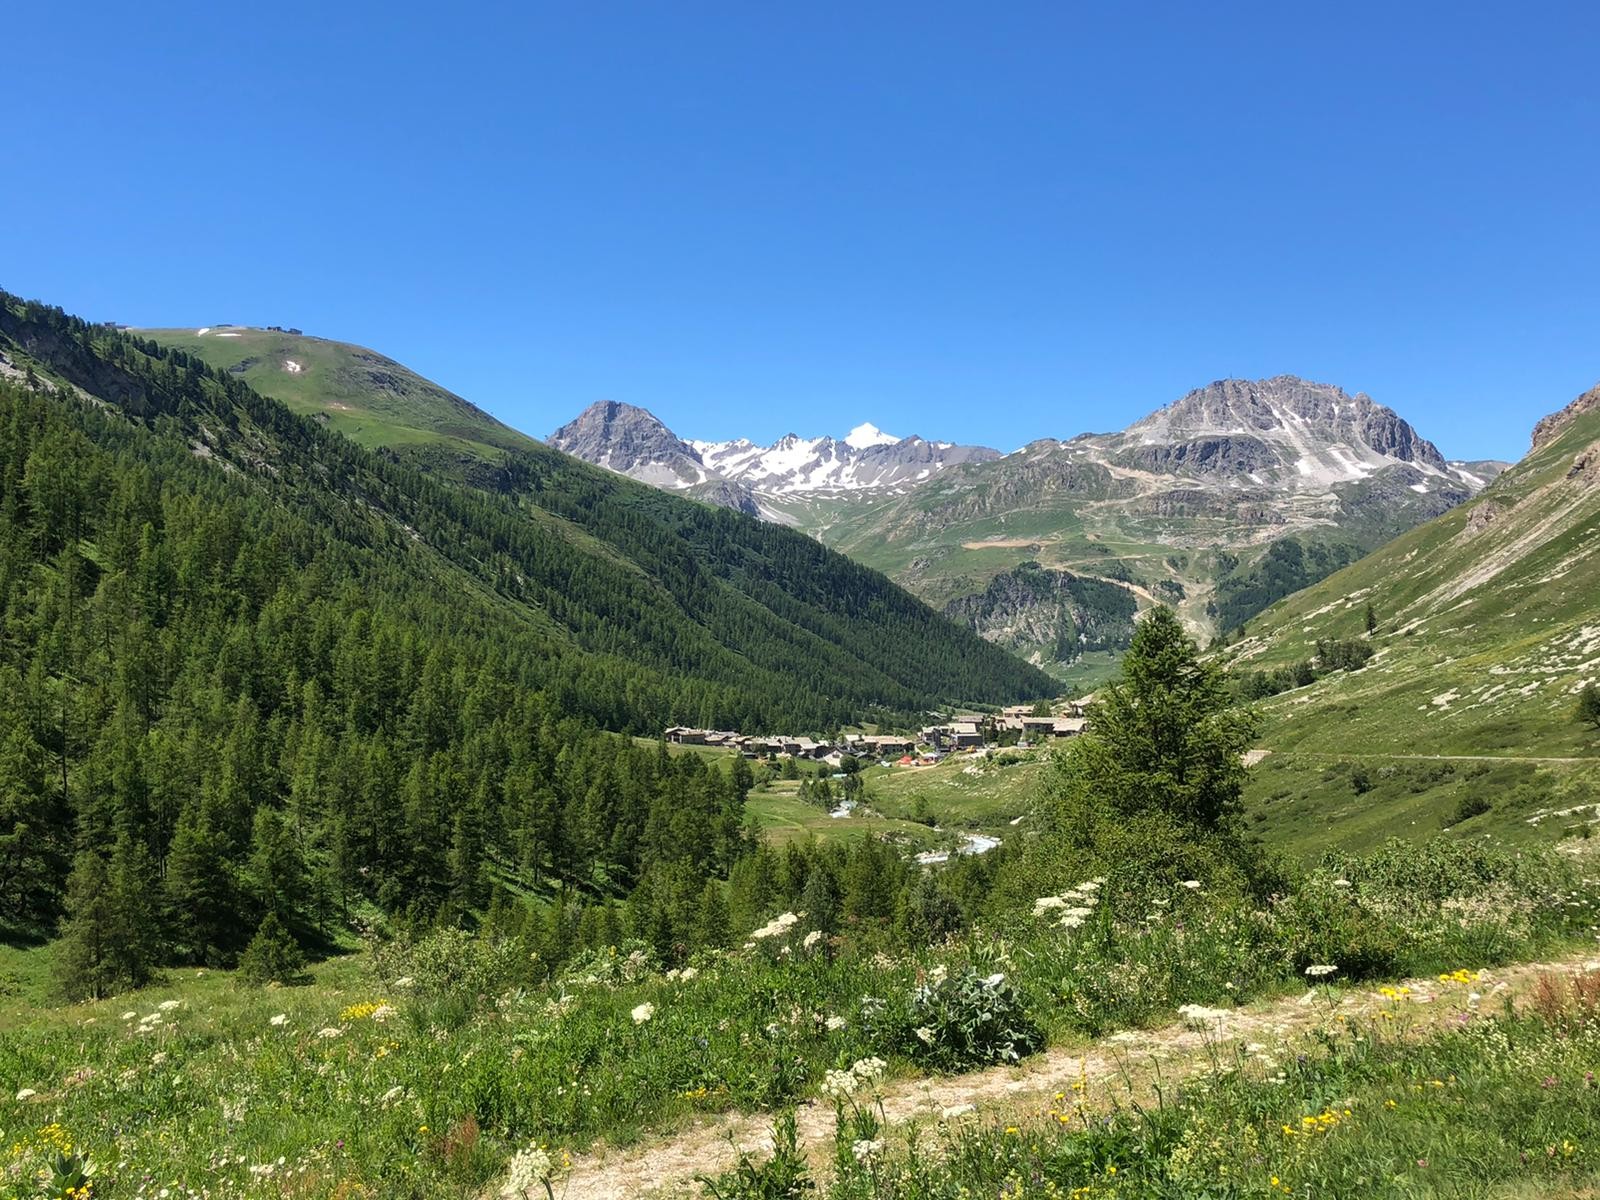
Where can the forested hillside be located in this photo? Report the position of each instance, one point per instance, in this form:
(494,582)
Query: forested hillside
(251,668)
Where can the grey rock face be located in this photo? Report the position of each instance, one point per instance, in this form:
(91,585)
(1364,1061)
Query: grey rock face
(624,439)
(1294,415)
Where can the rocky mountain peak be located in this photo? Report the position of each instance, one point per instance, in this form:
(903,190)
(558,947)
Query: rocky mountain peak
(1312,429)
(623,438)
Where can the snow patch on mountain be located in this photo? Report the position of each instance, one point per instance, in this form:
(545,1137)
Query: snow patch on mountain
(867,434)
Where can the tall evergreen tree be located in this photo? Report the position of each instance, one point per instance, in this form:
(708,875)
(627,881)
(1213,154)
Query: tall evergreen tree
(85,963)
(1153,786)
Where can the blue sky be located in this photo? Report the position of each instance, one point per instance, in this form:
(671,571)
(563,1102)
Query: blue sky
(980,222)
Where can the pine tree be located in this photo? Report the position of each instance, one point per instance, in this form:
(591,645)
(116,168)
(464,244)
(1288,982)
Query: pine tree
(713,926)
(273,956)
(820,900)
(1166,736)
(84,962)
(275,874)
(32,857)
(201,897)
(1153,786)
(136,910)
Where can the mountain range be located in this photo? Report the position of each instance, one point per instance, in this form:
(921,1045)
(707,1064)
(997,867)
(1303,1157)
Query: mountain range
(1297,519)
(760,480)
(1219,502)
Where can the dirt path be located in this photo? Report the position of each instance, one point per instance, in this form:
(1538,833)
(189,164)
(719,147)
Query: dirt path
(1523,758)
(668,1167)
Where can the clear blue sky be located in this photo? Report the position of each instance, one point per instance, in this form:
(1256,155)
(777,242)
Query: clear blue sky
(983,222)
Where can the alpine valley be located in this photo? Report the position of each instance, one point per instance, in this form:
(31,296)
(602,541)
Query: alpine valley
(1224,501)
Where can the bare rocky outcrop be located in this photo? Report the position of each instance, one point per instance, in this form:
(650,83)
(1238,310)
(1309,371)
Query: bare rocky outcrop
(1482,516)
(1048,614)
(1586,466)
(1221,455)
(1550,427)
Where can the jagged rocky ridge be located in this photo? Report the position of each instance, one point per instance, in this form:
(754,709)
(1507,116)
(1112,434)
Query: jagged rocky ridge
(632,441)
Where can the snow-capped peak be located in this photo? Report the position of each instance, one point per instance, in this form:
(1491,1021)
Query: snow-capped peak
(867,434)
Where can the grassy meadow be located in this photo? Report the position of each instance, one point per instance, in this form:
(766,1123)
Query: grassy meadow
(421,1069)
(369,398)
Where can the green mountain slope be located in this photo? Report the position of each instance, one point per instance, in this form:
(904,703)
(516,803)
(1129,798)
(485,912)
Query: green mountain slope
(753,624)
(1487,626)
(1219,504)
(251,669)
(366,396)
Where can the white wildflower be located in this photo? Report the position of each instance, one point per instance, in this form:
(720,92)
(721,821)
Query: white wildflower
(383,1012)
(404,981)
(280,1019)
(925,1035)
(528,1169)
(169,1005)
(838,1083)
(129,1015)
(393,1094)
(865,1148)
(812,938)
(957,1110)
(1191,884)
(1341,883)
(868,1069)
(995,980)
(780,924)
(330,1031)
(159,1057)
(688,974)
(1320,970)
(938,975)
(835,1024)
(26,1094)
(643,1013)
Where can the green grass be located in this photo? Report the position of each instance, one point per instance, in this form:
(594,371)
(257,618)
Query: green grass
(1307,804)
(479,1058)
(364,395)
(1485,634)
(1502,1106)
(964,791)
(784,817)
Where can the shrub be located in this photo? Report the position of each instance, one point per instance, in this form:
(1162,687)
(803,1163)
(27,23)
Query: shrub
(1468,807)
(959,1019)
(1330,926)
(781,1177)
(451,974)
